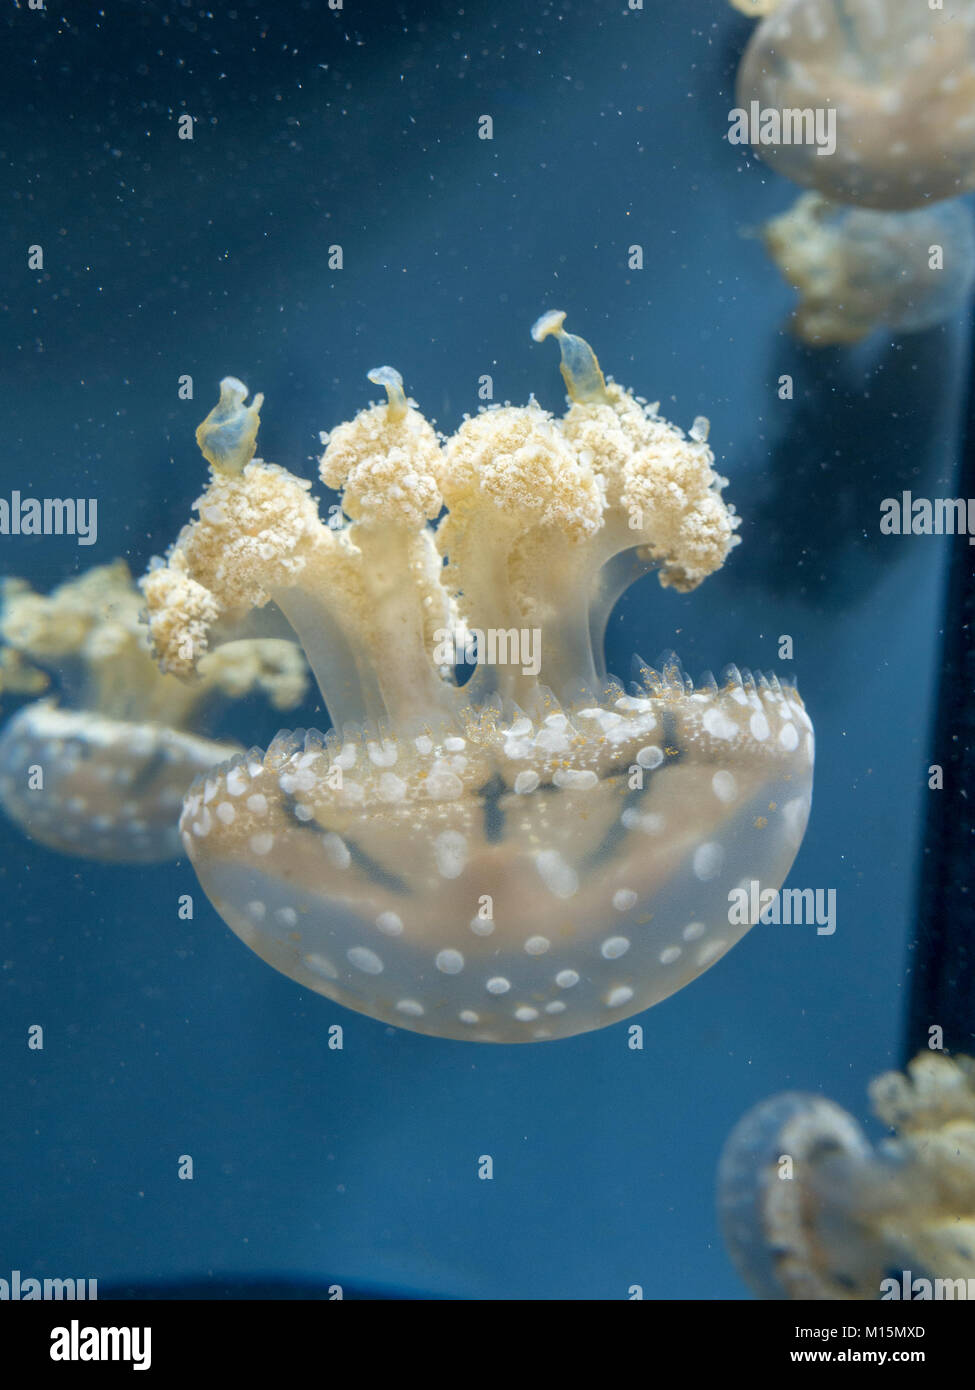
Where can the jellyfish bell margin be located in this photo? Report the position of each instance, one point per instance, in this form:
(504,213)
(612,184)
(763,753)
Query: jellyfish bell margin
(527,856)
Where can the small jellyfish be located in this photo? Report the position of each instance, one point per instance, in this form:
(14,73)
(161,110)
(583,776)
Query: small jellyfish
(900,78)
(100,771)
(857,269)
(756,9)
(811,1210)
(536,852)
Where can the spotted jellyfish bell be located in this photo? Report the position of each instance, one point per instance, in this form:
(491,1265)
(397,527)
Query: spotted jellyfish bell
(538,852)
(810,1210)
(899,76)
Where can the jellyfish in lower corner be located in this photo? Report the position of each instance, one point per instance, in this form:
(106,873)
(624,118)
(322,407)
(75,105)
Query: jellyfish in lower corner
(811,1210)
(857,269)
(757,9)
(99,769)
(898,79)
(539,851)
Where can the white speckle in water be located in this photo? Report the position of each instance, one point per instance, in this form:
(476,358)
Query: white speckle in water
(410,1007)
(669,954)
(482,926)
(624,899)
(537,945)
(565,979)
(693,931)
(525,1014)
(498,985)
(257,910)
(390,923)
(287,916)
(469,1016)
(262,843)
(556,1007)
(257,803)
(449,962)
(226,813)
(526,782)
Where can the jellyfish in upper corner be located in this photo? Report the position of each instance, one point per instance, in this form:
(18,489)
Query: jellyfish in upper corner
(99,769)
(535,852)
(857,269)
(899,80)
(811,1210)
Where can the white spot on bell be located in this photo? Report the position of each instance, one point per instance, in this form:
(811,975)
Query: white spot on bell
(449,962)
(707,861)
(365,960)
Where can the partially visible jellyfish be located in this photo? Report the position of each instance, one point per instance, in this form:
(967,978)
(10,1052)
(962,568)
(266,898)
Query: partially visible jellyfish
(901,79)
(540,851)
(99,771)
(811,1210)
(856,269)
(757,9)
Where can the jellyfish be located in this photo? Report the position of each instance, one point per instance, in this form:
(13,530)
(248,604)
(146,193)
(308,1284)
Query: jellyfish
(811,1210)
(755,8)
(99,770)
(856,269)
(534,852)
(901,80)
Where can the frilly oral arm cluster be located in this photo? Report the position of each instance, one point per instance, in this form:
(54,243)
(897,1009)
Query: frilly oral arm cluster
(537,507)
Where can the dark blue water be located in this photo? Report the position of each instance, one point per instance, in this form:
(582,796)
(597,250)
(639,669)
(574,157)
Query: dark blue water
(164,257)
